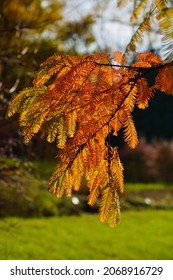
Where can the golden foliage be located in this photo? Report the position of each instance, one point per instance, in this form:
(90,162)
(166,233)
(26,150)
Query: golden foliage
(165,18)
(145,14)
(78,102)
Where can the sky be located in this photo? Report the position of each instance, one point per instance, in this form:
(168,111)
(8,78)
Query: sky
(111,29)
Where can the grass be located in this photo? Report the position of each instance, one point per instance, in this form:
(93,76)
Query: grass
(159,194)
(140,235)
(138,187)
(43,168)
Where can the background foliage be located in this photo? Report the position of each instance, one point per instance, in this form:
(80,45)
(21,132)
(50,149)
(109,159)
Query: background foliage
(35,31)
(38,29)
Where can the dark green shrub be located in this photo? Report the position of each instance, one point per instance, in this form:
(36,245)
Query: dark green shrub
(23,194)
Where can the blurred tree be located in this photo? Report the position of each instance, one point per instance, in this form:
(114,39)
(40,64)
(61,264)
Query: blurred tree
(30,32)
(33,30)
(22,48)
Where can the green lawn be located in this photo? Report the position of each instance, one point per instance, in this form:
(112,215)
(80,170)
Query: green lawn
(137,187)
(146,234)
